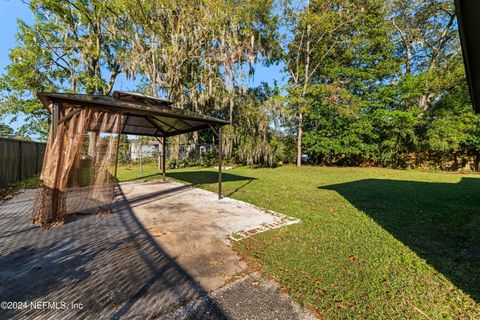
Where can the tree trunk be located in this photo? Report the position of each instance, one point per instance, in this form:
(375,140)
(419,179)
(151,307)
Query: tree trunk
(231,108)
(299,139)
(302,105)
(92,140)
(455,162)
(195,137)
(408,61)
(423,102)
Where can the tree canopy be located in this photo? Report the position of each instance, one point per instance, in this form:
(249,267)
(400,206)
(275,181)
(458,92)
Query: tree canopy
(368,82)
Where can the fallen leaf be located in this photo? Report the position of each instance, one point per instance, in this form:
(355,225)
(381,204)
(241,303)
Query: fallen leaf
(322,292)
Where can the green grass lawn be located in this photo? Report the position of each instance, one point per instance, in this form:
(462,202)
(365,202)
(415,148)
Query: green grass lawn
(372,243)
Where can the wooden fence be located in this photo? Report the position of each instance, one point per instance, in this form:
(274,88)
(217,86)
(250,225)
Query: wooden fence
(19,159)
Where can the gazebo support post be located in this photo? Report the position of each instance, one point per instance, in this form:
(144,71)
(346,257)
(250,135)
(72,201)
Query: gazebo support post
(164,140)
(220,163)
(116,155)
(162,157)
(118,147)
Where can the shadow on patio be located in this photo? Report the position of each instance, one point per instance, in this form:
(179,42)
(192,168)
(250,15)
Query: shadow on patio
(109,264)
(205,177)
(196,178)
(439,221)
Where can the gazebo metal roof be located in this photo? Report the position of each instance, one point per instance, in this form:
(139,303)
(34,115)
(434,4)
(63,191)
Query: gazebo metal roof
(143,114)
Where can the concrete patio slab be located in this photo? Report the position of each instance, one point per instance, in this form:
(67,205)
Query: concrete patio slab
(164,246)
(194,226)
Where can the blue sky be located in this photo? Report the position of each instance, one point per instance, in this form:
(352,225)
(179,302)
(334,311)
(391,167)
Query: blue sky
(11,10)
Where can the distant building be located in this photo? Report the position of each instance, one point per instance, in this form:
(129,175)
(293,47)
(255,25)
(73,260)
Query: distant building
(186,149)
(145,150)
(152,148)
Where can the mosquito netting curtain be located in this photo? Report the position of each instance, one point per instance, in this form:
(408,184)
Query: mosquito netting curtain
(77,174)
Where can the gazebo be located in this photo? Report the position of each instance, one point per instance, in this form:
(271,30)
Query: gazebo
(83,143)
